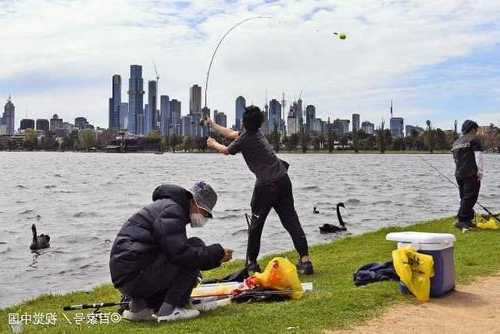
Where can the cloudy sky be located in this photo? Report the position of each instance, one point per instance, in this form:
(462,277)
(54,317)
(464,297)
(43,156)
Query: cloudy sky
(437,60)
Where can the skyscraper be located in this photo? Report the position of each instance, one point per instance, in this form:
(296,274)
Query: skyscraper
(310,117)
(135,101)
(114,103)
(368,128)
(239,110)
(152,103)
(175,109)
(27,123)
(355,122)
(220,118)
(396,125)
(195,100)
(299,114)
(165,116)
(274,115)
(147,120)
(8,118)
(42,125)
(123,115)
(81,122)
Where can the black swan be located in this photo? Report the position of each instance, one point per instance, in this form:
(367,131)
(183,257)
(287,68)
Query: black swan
(39,241)
(329,228)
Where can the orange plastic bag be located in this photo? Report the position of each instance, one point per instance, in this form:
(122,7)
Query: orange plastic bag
(280,274)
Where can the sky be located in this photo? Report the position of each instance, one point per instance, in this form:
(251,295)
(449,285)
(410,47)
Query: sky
(436,60)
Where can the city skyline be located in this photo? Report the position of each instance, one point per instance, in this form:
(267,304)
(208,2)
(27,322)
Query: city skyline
(397,50)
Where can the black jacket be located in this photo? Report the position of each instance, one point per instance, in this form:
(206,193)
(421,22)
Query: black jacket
(463,152)
(160,228)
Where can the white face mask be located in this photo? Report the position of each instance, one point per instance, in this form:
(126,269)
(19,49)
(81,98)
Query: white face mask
(198,220)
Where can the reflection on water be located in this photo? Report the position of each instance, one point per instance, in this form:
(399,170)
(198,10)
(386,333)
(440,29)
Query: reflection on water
(81,200)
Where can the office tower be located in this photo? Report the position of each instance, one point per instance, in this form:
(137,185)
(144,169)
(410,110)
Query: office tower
(240,106)
(81,123)
(341,126)
(165,116)
(397,127)
(135,101)
(310,117)
(8,118)
(355,122)
(291,122)
(175,109)
(274,115)
(42,125)
(56,123)
(299,114)
(153,104)
(147,120)
(368,128)
(123,115)
(220,118)
(114,103)
(195,100)
(27,123)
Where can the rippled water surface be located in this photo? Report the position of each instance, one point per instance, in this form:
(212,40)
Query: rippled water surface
(81,200)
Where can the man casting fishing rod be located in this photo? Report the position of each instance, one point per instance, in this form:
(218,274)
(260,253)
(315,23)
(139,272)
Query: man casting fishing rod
(273,188)
(467,152)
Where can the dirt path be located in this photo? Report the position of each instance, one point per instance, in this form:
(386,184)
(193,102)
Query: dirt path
(473,308)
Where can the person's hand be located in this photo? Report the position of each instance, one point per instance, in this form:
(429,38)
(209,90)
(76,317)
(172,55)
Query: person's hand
(228,255)
(211,142)
(208,121)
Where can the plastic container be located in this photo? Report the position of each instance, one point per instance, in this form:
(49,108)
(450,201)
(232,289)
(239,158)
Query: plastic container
(440,246)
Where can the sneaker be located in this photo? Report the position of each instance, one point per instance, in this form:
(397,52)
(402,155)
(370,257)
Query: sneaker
(143,315)
(178,313)
(464,226)
(211,304)
(305,267)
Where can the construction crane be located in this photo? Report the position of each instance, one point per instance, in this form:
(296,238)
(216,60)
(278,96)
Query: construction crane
(156,72)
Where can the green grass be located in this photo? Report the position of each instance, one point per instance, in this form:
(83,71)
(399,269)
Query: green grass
(335,303)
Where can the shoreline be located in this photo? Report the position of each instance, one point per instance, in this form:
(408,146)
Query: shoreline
(335,303)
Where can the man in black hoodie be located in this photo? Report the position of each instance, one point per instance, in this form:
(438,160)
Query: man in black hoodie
(152,261)
(469,172)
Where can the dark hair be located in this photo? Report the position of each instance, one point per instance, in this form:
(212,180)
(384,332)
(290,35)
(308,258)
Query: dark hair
(468,126)
(252,118)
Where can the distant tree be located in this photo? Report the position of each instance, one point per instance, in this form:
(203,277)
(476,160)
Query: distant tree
(87,139)
(330,140)
(49,142)
(187,143)
(305,140)
(355,141)
(30,139)
(381,138)
(429,137)
(316,143)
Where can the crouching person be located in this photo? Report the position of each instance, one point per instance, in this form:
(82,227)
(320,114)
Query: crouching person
(153,262)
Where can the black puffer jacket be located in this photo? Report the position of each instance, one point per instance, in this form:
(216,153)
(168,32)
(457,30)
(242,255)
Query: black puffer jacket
(463,152)
(159,228)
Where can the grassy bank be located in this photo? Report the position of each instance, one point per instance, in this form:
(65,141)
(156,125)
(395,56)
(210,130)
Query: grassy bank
(335,303)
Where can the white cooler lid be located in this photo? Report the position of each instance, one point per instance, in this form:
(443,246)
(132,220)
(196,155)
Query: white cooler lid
(422,238)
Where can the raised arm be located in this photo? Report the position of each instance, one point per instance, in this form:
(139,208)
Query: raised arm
(226,132)
(213,144)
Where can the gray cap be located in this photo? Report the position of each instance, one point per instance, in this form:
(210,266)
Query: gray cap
(204,196)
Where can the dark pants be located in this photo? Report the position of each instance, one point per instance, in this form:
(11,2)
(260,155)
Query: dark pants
(469,192)
(163,281)
(278,196)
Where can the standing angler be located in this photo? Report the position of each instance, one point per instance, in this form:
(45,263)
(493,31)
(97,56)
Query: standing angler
(273,188)
(469,172)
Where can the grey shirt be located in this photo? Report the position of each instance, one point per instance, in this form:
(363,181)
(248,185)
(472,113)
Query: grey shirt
(259,156)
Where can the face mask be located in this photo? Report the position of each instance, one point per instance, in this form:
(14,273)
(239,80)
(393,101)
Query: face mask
(198,220)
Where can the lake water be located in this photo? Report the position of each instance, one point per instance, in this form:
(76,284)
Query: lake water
(83,199)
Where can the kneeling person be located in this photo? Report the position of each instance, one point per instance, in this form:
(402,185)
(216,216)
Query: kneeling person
(152,260)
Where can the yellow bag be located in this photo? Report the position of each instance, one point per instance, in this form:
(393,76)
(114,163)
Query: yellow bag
(414,270)
(486,222)
(281,274)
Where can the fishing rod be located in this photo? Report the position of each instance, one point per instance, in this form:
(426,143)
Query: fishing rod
(95,306)
(456,185)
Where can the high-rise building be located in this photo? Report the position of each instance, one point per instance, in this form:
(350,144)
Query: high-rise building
(397,127)
(8,118)
(341,126)
(368,128)
(274,115)
(153,104)
(135,101)
(81,123)
(42,125)
(123,115)
(220,118)
(310,117)
(299,114)
(187,126)
(355,122)
(410,130)
(147,120)
(175,109)
(291,122)
(165,116)
(114,103)
(56,123)
(27,123)
(195,100)
(240,106)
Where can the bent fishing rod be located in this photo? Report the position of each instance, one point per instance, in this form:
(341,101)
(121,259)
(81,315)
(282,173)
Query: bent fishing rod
(456,185)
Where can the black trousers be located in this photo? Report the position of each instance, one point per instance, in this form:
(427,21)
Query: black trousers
(277,196)
(163,281)
(469,192)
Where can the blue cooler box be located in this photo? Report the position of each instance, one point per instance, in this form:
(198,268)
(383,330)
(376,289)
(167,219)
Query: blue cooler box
(440,247)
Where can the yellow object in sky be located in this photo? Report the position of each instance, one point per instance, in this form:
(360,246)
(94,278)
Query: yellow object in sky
(414,270)
(281,274)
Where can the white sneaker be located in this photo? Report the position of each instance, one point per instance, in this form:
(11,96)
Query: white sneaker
(144,315)
(178,313)
(211,305)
